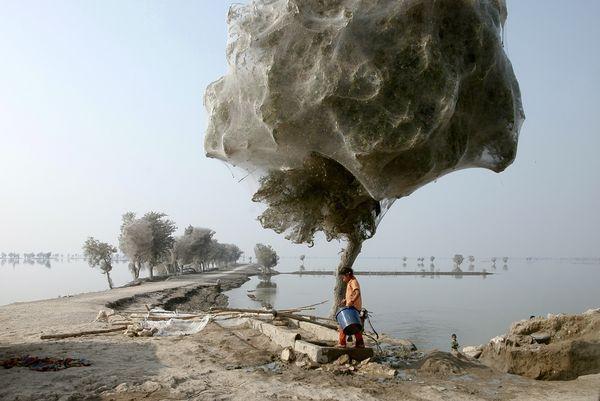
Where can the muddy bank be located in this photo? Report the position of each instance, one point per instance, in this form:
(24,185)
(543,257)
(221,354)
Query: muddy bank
(198,297)
(558,347)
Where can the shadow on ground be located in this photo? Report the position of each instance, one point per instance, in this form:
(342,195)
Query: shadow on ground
(112,363)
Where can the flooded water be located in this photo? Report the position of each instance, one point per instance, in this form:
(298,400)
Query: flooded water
(426,309)
(49,279)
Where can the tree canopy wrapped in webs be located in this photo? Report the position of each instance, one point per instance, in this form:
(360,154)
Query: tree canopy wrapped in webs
(320,196)
(398,92)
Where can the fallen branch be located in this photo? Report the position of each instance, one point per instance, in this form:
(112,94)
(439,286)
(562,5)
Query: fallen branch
(271,312)
(81,333)
(302,319)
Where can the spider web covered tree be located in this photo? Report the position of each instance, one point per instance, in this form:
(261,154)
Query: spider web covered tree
(343,106)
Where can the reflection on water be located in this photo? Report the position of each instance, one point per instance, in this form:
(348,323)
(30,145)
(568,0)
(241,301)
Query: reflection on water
(15,262)
(265,292)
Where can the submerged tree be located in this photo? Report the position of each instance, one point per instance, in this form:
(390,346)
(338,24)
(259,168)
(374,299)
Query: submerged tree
(458,259)
(99,254)
(266,256)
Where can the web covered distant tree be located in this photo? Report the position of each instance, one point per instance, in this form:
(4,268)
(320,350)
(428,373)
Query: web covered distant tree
(266,256)
(146,241)
(192,248)
(99,254)
(162,230)
(135,242)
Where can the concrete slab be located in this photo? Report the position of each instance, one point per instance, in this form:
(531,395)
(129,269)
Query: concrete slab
(281,336)
(320,332)
(319,354)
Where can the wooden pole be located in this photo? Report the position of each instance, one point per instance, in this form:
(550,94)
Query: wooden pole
(81,333)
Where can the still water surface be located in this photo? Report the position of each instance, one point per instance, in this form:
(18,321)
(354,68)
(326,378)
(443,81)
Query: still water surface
(38,280)
(427,310)
(424,309)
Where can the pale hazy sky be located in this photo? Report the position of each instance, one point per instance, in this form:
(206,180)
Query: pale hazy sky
(101,112)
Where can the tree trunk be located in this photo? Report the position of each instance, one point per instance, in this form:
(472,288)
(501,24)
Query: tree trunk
(138,267)
(110,282)
(151,268)
(349,255)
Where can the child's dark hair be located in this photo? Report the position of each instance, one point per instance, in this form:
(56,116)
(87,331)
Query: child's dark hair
(346,270)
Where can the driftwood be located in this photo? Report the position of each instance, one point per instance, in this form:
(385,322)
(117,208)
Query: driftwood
(313,317)
(271,312)
(81,333)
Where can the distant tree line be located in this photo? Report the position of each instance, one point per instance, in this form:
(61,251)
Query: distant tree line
(149,244)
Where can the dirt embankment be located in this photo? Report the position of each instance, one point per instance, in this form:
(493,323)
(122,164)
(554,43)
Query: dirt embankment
(559,347)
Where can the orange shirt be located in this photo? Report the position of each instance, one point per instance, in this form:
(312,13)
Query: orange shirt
(353,297)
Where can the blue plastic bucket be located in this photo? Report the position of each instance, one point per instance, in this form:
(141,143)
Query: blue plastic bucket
(349,320)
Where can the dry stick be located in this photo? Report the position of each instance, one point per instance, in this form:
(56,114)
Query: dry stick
(279,314)
(313,317)
(271,312)
(81,333)
(302,319)
(241,315)
(159,317)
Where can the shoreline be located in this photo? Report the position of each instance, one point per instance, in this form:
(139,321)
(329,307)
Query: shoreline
(390,273)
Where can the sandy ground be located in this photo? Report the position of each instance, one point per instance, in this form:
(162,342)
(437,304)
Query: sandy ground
(217,363)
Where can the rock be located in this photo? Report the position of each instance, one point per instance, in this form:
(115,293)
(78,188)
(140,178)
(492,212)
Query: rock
(287,355)
(130,333)
(473,351)
(541,337)
(150,387)
(364,362)
(377,369)
(122,388)
(301,364)
(445,364)
(343,359)
(146,333)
